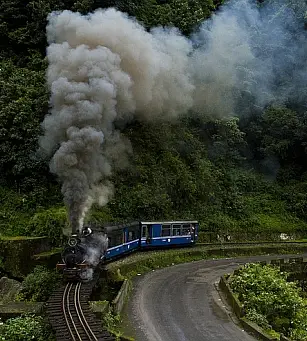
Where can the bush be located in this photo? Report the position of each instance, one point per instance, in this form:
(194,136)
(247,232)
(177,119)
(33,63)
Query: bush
(24,328)
(19,216)
(38,285)
(111,321)
(270,300)
(221,222)
(50,222)
(258,318)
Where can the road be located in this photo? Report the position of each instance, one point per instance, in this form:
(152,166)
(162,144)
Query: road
(179,303)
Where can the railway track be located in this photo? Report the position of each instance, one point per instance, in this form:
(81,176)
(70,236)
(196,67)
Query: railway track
(71,317)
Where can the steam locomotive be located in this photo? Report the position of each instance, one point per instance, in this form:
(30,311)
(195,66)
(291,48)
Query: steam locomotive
(85,251)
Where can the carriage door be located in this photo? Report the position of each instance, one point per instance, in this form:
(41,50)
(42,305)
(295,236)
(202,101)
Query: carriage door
(147,233)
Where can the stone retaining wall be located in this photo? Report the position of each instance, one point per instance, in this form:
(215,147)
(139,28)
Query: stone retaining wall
(230,297)
(245,236)
(17,252)
(119,301)
(14,309)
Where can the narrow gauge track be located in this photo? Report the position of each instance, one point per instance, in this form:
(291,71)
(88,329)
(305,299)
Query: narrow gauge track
(70,315)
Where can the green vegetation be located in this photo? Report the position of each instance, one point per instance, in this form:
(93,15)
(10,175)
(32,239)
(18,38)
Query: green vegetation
(26,328)
(112,323)
(19,216)
(38,285)
(143,262)
(198,167)
(233,175)
(270,301)
(183,14)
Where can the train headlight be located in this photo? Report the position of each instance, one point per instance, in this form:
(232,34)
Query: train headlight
(86,232)
(73,241)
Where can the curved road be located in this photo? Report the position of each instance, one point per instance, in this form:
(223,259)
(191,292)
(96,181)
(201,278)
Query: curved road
(180,303)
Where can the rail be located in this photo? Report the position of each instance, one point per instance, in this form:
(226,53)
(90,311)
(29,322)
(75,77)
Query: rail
(70,315)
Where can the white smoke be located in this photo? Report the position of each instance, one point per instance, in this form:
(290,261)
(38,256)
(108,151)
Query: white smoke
(105,67)
(223,61)
(96,245)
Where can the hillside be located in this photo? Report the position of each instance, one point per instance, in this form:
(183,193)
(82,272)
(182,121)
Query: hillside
(234,160)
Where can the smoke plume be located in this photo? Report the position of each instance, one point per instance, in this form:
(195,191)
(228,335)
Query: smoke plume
(96,246)
(105,67)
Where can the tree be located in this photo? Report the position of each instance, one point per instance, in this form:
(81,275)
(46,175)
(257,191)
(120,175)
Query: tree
(23,26)
(184,14)
(23,104)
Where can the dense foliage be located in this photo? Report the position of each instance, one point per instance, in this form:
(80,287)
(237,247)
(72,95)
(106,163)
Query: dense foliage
(184,14)
(228,173)
(26,328)
(112,323)
(38,285)
(270,301)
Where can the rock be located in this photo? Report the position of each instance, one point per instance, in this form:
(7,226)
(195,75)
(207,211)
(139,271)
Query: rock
(17,253)
(15,309)
(8,289)
(99,308)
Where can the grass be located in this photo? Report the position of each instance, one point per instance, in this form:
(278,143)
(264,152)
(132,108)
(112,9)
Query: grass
(142,262)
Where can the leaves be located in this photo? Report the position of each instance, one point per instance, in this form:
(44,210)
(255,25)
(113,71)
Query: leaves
(23,104)
(270,300)
(38,285)
(26,328)
(197,167)
(183,14)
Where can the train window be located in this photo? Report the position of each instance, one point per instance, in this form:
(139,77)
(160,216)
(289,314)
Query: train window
(186,229)
(176,229)
(120,238)
(146,231)
(131,235)
(166,230)
(115,238)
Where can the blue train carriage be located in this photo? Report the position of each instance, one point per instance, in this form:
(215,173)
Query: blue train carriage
(122,239)
(168,233)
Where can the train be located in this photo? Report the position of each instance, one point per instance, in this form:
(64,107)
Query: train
(94,246)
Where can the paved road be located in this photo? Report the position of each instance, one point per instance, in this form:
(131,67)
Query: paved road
(178,303)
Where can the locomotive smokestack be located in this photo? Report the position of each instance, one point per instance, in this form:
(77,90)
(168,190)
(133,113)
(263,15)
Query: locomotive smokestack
(74,225)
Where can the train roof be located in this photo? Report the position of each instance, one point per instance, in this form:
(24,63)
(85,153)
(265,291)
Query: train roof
(149,222)
(113,226)
(170,222)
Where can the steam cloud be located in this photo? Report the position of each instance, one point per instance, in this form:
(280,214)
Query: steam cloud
(105,67)
(96,246)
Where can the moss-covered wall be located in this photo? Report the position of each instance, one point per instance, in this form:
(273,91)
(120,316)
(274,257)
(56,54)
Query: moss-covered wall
(48,258)
(15,309)
(17,253)
(249,236)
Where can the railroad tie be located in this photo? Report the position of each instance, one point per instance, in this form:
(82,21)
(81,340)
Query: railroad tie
(70,316)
